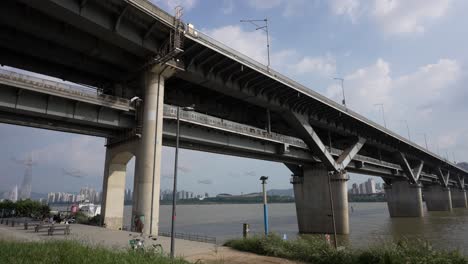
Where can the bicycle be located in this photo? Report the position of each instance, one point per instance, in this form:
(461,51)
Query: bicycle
(138,244)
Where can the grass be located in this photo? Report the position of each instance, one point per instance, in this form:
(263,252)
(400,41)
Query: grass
(69,252)
(317,251)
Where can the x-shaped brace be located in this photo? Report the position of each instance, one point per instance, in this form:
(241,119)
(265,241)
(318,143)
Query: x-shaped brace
(413,174)
(314,142)
(443,178)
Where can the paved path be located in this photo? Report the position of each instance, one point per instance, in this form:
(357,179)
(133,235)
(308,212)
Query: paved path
(190,250)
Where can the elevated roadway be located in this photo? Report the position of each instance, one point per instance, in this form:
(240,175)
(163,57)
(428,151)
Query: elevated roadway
(128,48)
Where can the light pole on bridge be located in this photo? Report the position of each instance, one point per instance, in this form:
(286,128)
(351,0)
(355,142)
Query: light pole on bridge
(383,113)
(264,28)
(342,89)
(407,128)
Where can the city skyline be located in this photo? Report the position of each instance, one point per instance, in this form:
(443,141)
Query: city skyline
(375,73)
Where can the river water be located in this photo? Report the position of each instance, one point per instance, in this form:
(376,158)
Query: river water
(370,223)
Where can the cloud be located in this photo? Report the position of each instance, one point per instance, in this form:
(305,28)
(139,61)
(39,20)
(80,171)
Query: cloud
(394,16)
(250,173)
(290,8)
(75,173)
(350,8)
(253,44)
(184,169)
(325,65)
(264,4)
(85,151)
(207,181)
(419,96)
(228,7)
(170,5)
(418,90)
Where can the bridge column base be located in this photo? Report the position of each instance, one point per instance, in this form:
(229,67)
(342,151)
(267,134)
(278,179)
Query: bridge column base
(404,199)
(459,198)
(115,171)
(438,198)
(312,199)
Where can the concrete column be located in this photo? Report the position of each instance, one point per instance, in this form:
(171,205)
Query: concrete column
(438,198)
(148,164)
(404,199)
(459,198)
(115,171)
(312,199)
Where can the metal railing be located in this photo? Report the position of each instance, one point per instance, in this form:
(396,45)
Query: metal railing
(84,92)
(219,123)
(251,131)
(190,237)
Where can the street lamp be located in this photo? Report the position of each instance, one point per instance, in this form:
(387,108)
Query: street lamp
(265,206)
(407,128)
(264,28)
(383,113)
(425,140)
(174,189)
(342,89)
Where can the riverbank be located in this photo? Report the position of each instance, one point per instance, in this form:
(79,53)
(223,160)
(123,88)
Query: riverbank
(114,240)
(317,251)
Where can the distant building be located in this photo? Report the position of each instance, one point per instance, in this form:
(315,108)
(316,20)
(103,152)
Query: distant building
(370,186)
(362,188)
(354,189)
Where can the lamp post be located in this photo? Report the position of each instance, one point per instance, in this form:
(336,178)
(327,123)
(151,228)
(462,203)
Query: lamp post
(407,128)
(265,206)
(383,113)
(264,28)
(174,189)
(342,89)
(425,140)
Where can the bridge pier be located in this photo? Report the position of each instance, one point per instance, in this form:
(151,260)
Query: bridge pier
(115,170)
(148,165)
(459,198)
(404,199)
(312,198)
(438,198)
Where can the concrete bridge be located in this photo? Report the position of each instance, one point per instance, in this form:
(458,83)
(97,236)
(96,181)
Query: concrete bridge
(119,49)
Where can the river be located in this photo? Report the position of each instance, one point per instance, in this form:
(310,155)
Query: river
(370,223)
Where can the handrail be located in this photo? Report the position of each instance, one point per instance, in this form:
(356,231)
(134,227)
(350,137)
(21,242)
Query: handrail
(59,87)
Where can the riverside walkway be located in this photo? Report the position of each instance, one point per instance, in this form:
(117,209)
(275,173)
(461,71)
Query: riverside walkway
(118,240)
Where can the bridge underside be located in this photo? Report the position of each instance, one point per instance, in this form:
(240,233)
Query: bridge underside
(116,46)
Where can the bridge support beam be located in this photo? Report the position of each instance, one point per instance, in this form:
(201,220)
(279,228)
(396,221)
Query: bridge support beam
(438,198)
(148,165)
(459,198)
(404,199)
(115,170)
(312,199)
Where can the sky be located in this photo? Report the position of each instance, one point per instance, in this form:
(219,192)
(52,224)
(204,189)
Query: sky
(409,55)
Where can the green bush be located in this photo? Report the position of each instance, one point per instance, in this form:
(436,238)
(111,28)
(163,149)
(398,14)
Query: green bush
(26,208)
(317,251)
(69,252)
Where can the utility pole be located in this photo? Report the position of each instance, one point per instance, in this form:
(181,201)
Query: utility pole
(383,113)
(264,28)
(174,188)
(342,89)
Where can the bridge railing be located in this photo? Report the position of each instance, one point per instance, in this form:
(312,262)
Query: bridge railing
(171,111)
(59,87)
